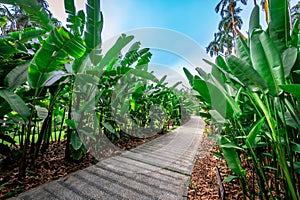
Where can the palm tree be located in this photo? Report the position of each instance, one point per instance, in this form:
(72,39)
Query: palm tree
(227,31)
(223,4)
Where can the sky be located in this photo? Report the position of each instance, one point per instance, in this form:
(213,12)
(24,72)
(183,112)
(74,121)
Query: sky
(176,30)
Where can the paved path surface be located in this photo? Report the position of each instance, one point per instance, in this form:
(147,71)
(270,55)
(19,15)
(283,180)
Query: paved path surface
(159,169)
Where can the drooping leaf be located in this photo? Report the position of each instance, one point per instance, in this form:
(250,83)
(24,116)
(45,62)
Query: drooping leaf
(17,76)
(54,77)
(108,127)
(15,102)
(231,156)
(289,57)
(41,112)
(76,141)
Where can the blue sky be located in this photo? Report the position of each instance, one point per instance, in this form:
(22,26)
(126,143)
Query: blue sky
(194,20)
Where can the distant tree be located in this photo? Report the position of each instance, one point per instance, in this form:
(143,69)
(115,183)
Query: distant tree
(224,40)
(223,4)
(13,18)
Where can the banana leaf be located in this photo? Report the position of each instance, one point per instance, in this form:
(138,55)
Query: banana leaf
(55,51)
(254,20)
(15,102)
(92,35)
(246,74)
(279,25)
(267,61)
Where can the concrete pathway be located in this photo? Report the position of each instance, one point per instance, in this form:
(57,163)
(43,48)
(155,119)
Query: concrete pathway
(159,169)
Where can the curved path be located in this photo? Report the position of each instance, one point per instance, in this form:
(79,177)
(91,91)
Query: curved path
(159,169)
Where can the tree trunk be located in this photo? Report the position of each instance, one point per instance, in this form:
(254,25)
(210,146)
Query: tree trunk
(69,132)
(61,126)
(23,160)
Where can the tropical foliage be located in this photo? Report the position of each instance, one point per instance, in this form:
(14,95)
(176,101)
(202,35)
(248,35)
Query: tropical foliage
(253,100)
(55,80)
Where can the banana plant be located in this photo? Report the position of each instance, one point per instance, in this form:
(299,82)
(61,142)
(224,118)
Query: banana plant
(259,82)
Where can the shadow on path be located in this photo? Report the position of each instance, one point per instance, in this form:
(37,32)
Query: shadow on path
(159,169)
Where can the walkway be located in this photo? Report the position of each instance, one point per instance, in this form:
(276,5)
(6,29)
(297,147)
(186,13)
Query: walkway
(159,169)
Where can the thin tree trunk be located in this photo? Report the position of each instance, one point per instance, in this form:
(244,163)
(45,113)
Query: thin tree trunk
(21,139)
(69,132)
(61,126)
(233,32)
(23,160)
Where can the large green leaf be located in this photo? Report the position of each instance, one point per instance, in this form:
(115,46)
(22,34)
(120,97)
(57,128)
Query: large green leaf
(17,76)
(279,25)
(267,61)
(115,50)
(289,57)
(242,50)
(231,155)
(75,22)
(76,141)
(221,100)
(15,102)
(293,89)
(7,48)
(254,131)
(246,74)
(220,62)
(217,74)
(291,117)
(27,34)
(55,52)
(189,76)
(254,19)
(94,25)
(36,12)
(144,74)
(201,87)
(295,33)
(42,112)
(202,73)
